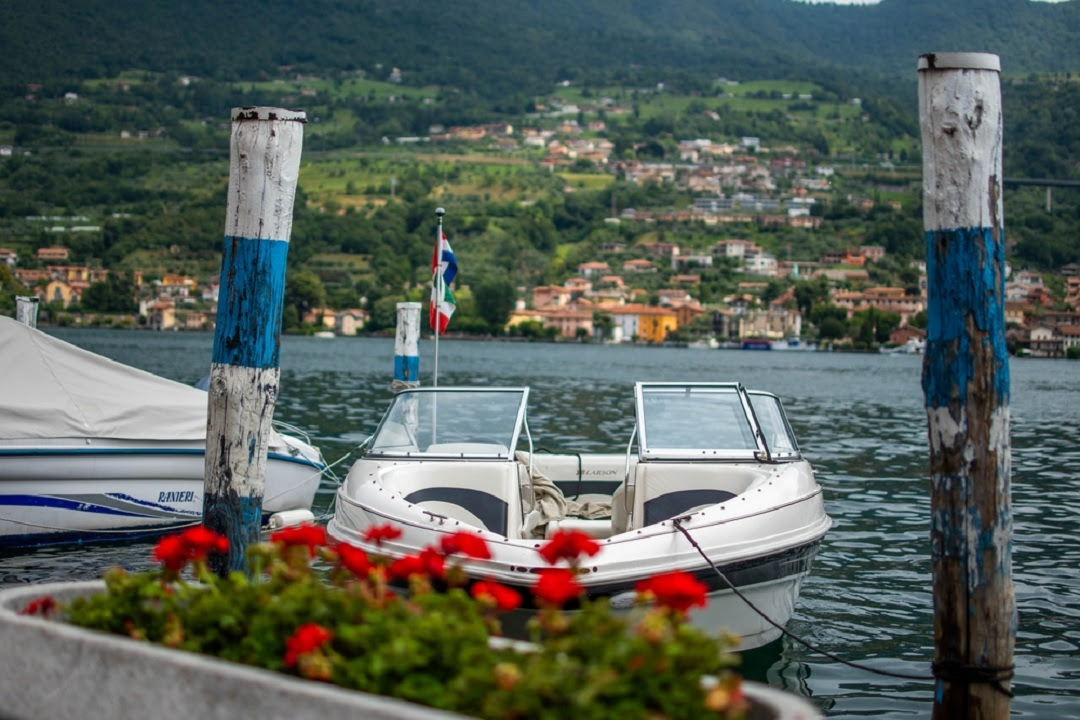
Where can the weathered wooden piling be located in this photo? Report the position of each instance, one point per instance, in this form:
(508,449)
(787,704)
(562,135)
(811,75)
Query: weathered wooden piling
(966,385)
(264,163)
(26,309)
(407,346)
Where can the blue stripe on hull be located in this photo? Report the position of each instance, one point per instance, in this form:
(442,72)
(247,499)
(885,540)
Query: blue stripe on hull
(77,452)
(76,504)
(250,303)
(36,540)
(165,521)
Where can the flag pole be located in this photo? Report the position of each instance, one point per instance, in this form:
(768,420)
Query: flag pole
(440,290)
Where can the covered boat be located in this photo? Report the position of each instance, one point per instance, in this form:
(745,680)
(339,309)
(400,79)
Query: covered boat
(91,449)
(711,483)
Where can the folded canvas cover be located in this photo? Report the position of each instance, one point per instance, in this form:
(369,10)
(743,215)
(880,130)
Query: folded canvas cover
(52,389)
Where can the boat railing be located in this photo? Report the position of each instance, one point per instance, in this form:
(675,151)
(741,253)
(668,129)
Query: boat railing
(288,428)
(629,479)
(528,497)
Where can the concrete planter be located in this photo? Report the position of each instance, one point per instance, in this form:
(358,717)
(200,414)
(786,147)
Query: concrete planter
(52,670)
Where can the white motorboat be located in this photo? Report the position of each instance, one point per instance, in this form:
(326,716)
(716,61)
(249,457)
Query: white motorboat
(91,449)
(708,462)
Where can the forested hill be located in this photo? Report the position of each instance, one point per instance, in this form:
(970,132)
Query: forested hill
(495,48)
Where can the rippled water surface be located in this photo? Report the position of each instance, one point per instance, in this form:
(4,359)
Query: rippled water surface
(859,419)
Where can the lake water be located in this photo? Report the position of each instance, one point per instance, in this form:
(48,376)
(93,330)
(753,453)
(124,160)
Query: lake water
(859,419)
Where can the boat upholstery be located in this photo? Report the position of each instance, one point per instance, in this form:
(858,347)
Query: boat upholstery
(666,490)
(481,494)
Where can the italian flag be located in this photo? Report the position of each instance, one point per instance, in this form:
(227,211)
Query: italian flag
(443,270)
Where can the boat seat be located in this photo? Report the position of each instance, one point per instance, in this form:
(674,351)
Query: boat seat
(481,494)
(667,490)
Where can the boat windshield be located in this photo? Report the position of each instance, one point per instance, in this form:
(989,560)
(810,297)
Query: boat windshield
(774,425)
(707,420)
(456,422)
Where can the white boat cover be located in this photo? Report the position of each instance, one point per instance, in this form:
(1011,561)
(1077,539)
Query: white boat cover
(52,389)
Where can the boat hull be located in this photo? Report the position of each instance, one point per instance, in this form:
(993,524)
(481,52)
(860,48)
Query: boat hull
(73,495)
(764,552)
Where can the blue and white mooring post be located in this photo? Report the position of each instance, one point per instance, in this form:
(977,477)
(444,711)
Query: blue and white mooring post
(966,385)
(407,346)
(264,164)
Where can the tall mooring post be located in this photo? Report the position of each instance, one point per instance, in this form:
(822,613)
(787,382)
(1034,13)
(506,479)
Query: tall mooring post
(966,385)
(407,346)
(264,163)
(26,309)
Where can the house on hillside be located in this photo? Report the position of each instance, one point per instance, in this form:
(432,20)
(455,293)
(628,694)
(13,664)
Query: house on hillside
(161,315)
(1070,337)
(661,249)
(1045,341)
(902,335)
(569,322)
(593,269)
(63,292)
(643,322)
(349,322)
(760,263)
(550,296)
(639,265)
(774,323)
(55,253)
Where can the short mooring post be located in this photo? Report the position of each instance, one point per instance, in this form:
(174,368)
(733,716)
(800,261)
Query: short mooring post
(264,163)
(26,309)
(966,385)
(406,347)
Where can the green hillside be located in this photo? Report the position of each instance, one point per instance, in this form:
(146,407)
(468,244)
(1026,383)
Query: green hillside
(499,49)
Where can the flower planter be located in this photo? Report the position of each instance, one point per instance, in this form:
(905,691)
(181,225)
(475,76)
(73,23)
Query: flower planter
(53,670)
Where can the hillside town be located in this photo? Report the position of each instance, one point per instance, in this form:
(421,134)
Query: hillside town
(603,301)
(646,289)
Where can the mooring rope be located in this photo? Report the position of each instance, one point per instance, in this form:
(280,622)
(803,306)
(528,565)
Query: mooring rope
(677,522)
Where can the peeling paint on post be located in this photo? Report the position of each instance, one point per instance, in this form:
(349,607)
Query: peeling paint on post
(966,385)
(406,346)
(264,163)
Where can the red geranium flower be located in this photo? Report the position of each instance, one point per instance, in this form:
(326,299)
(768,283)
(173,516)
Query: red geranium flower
(377,533)
(311,536)
(427,562)
(568,545)
(556,586)
(42,606)
(502,597)
(677,590)
(467,544)
(172,553)
(307,638)
(354,560)
(176,551)
(200,540)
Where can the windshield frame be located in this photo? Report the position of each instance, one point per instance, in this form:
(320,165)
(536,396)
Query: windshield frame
(776,453)
(472,453)
(650,450)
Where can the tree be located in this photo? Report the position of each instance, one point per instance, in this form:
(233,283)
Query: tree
(831,328)
(304,291)
(495,298)
(114,294)
(810,292)
(9,289)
